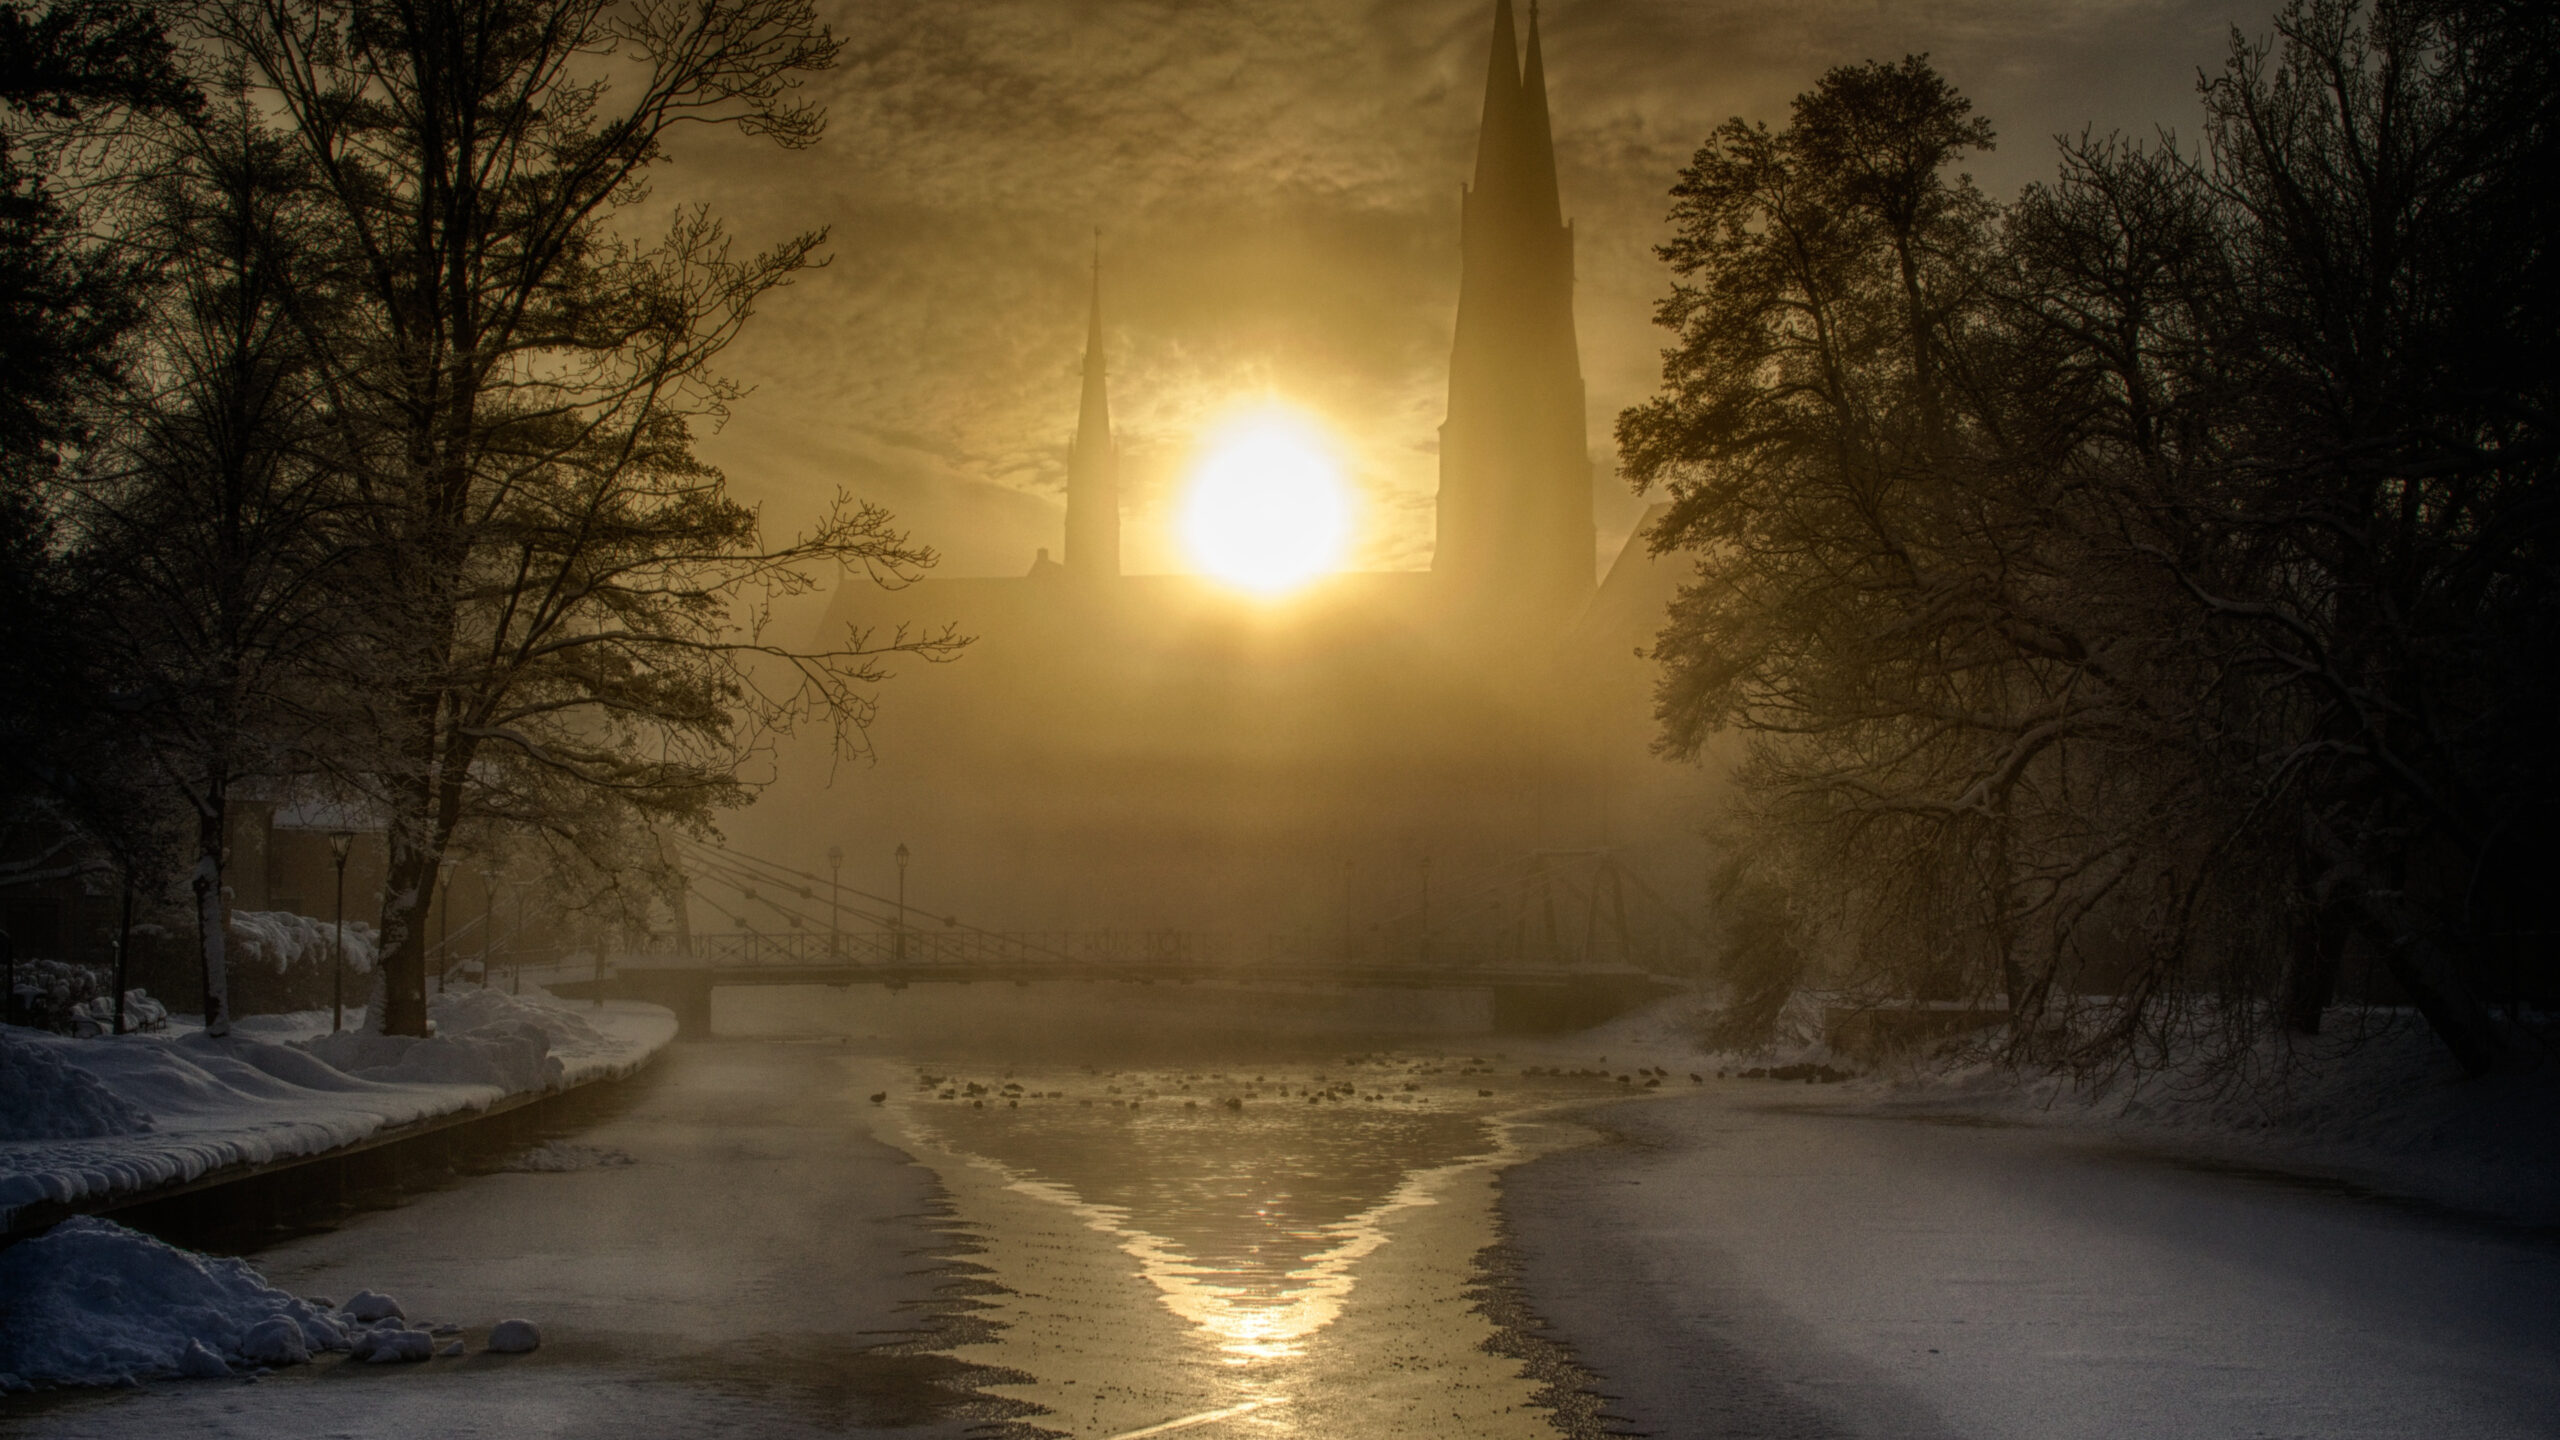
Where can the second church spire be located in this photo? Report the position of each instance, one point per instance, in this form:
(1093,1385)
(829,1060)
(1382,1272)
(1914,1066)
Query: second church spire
(1093,463)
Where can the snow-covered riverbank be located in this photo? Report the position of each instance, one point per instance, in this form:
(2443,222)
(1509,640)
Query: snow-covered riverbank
(732,1253)
(2353,1245)
(84,1121)
(2377,1105)
(1742,1258)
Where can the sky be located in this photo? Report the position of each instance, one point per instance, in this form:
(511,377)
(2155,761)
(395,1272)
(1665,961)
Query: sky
(1276,187)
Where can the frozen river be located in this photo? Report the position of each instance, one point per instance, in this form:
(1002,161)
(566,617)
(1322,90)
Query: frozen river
(1283,1242)
(1115,1237)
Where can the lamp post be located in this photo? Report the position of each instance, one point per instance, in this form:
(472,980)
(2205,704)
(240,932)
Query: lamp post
(124,944)
(1348,872)
(901,935)
(488,921)
(835,902)
(1425,946)
(515,941)
(444,922)
(340,841)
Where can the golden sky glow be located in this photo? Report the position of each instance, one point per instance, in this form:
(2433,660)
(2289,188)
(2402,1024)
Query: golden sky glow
(1277,186)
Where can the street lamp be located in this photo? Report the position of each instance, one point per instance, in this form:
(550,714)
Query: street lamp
(124,946)
(444,923)
(1425,947)
(1348,872)
(488,921)
(902,858)
(515,941)
(835,902)
(340,841)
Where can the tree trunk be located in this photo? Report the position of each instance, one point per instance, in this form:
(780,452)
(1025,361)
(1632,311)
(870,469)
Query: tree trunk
(2311,980)
(2435,985)
(408,890)
(213,915)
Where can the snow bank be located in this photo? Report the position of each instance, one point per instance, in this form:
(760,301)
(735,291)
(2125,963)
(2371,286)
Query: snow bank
(2381,1104)
(90,1302)
(209,1104)
(517,1043)
(283,941)
(2378,1104)
(506,1055)
(588,1041)
(42,1097)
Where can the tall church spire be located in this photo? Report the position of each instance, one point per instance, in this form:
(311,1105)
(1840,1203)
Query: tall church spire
(1515,531)
(1537,140)
(1093,463)
(1495,139)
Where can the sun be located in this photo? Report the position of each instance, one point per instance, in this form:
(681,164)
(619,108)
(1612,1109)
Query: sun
(1267,509)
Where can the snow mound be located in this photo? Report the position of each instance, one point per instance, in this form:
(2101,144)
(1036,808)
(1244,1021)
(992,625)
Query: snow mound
(483,1037)
(43,1097)
(90,1302)
(283,941)
(568,1032)
(366,1307)
(390,1344)
(513,1057)
(275,1341)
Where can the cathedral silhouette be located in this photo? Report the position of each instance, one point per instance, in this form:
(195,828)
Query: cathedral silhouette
(1514,539)
(1153,752)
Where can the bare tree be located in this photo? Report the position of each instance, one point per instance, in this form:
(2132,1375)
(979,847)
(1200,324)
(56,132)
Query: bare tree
(515,381)
(2144,597)
(212,541)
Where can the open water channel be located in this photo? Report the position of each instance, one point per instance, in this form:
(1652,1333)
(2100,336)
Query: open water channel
(1023,1223)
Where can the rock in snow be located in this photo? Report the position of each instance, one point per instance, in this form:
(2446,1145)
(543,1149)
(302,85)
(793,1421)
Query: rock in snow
(514,1337)
(275,1341)
(385,1344)
(90,1302)
(367,1306)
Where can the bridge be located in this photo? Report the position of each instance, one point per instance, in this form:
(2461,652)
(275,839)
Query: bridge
(1554,939)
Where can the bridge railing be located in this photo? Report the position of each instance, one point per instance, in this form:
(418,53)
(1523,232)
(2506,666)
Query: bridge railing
(1133,950)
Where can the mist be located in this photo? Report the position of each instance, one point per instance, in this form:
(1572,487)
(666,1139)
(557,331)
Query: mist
(1452,720)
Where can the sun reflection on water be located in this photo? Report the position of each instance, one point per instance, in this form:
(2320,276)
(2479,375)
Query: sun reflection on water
(1248,1321)
(1240,1247)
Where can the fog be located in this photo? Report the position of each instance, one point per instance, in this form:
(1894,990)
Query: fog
(1276,191)
(1420,718)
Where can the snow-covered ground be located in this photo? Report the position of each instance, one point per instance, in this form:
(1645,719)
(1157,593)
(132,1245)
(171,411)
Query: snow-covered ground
(1942,1247)
(733,1254)
(1737,1259)
(87,1120)
(2379,1106)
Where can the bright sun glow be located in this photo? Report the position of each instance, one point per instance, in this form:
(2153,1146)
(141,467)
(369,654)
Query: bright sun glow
(1267,510)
